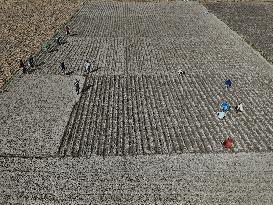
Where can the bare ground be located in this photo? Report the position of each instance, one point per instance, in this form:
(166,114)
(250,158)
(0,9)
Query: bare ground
(25,25)
(146,57)
(251,20)
(177,179)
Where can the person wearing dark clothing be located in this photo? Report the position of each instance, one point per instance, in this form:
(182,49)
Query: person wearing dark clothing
(67,30)
(62,66)
(22,66)
(228,83)
(46,47)
(239,108)
(181,72)
(58,40)
(30,61)
(77,86)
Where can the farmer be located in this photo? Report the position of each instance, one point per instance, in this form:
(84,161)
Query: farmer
(77,86)
(230,144)
(224,106)
(87,66)
(22,66)
(67,29)
(181,72)
(58,40)
(221,115)
(239,108)
(62,67)
(30,61)
(228,83)
(46,47)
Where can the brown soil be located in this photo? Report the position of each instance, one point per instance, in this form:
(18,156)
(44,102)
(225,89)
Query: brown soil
(230,1)
(25,25)
(139,1)
(254,27)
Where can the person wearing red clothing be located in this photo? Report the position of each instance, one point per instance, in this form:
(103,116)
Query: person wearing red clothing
(228,143)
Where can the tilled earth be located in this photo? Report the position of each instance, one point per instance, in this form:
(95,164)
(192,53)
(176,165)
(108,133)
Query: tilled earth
(136,101)
(251,20)
(25,25)
(135,109)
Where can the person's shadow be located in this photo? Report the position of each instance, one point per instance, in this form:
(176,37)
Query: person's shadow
(53,50)
(86,88)
(40,64)
(74,34)
(70,72)
(36,67)
(95,70)
(32,70)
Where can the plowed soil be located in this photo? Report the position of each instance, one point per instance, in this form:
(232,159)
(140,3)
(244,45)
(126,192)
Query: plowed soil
(25,25)
(251,20)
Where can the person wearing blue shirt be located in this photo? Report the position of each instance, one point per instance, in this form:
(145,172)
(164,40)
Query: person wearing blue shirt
(224,106)
(228,83)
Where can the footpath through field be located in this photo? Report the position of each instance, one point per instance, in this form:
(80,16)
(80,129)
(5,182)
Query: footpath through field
(144,133)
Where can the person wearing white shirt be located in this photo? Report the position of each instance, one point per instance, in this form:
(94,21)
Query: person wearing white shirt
(221,115)
(87,66)
(239,108)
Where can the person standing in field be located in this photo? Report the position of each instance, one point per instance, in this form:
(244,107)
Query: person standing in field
(77,86)
(87,66)
(228,84)
(239,108)
(62,67)
(22,66)
(58,40)
(30,61)
(181,72)
(221,114)
(67,29)
(224,106)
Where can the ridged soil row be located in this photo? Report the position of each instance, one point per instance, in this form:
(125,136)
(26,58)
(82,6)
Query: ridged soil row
(90,124)
(94,132)
(151,114)
(69,134)
(88,113)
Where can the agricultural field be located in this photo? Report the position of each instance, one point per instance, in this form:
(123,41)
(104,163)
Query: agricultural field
(140,131)
(135,102)
(252,20)
(25,26)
